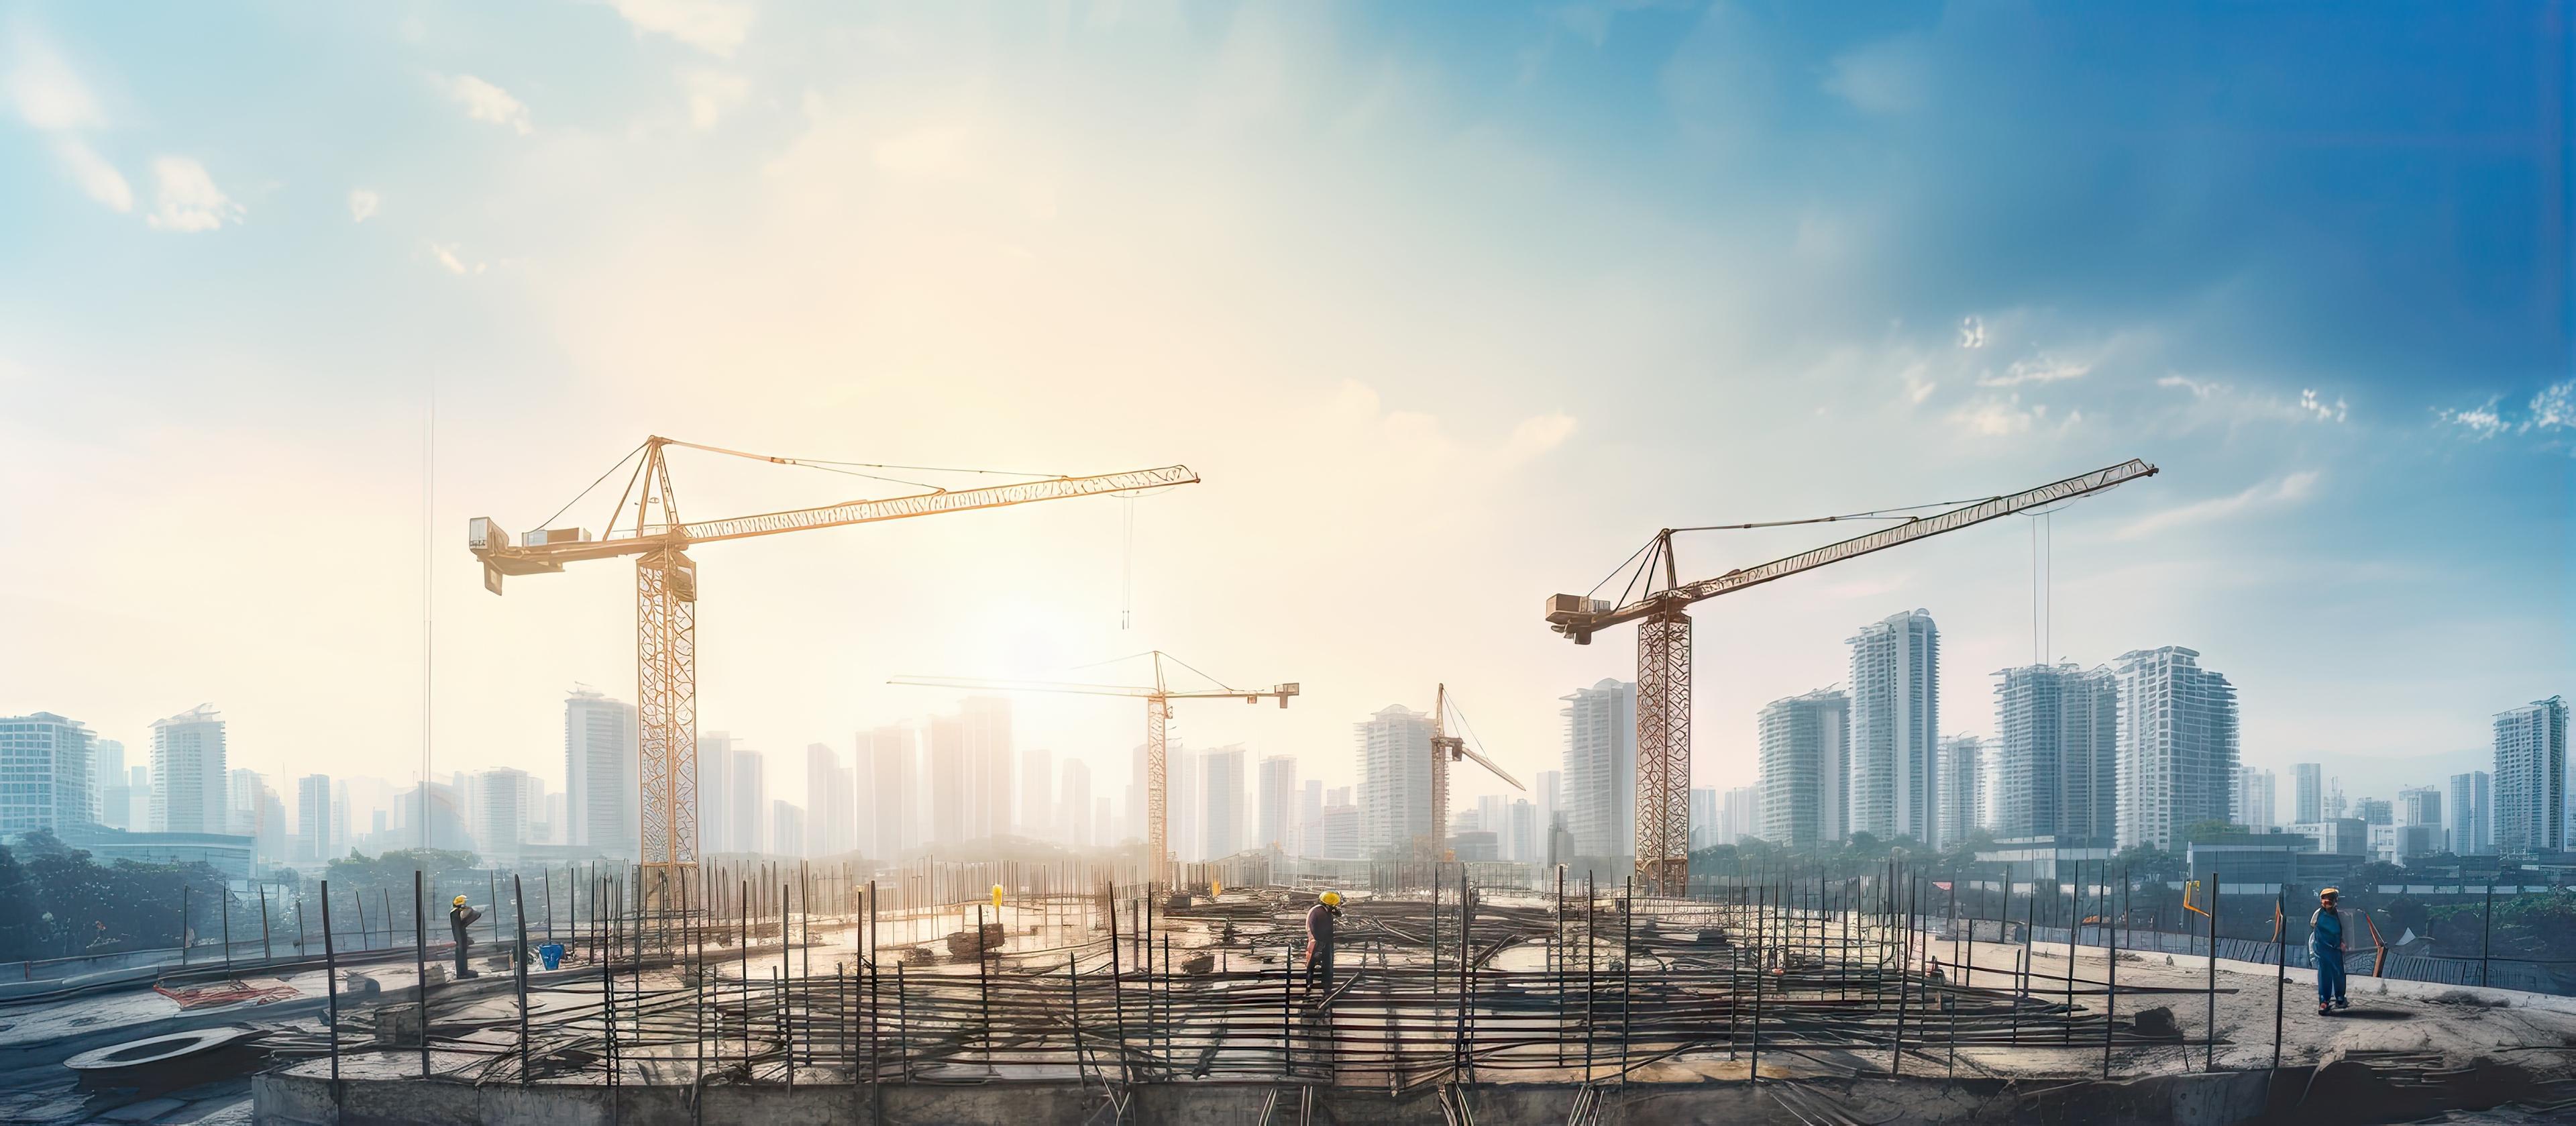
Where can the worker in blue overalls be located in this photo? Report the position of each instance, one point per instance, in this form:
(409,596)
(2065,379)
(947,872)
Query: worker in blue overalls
(2325,950)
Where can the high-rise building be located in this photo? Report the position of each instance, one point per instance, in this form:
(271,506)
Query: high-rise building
(2375,811)
(1222,825)
(1962,768)
(990,763)
(1310,818)
(716,818)
(2472,814)
(2056,752)
(1739,814)
(2531,778)
(241,802)
(748,815)
(1703,817)
(1395,782)
(2177,724)
(1037,794)
(1277,824)
(1184,808)
(1341,836)
(313,816)
(787,826)
(1073,805)
(1896,727)
(45,773)
(2419,806)
(601,807)
(2307,792)
(2255,805)
(1600,785)
(829,796)
(190,773)
(497,806)
(1102,825)
(895,822)
(1548,793)
(1520,832)
(268,821)
(107,769)
(945,763)
(1804,769)
(116,800)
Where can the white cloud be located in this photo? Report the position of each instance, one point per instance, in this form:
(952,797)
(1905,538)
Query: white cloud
(1997,418)
(188,198)
(1917,386)
(2553,407)
(48,94)
(1886,77)
(2482,422)
(2199,388)
(362,205)
(50,97)
(716,27)
(2319,408)
(2288,490)
(96,176)
(1972,333)
(712,94)
(446,255)
(1540,433)
(484,101)
(2040,369)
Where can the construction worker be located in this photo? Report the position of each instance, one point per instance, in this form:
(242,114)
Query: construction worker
(2325,950)
(1320,920)
(460,917)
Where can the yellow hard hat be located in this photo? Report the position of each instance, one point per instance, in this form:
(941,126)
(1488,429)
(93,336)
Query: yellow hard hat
(1332,899)
(2329,893)
(460,901)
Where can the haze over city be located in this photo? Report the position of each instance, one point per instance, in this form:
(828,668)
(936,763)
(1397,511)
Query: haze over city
(1076,243)
(1641,561)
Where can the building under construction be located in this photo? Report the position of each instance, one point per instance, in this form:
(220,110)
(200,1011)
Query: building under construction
(1012,993)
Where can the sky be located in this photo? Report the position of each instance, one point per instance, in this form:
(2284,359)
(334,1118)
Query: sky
(1452,306)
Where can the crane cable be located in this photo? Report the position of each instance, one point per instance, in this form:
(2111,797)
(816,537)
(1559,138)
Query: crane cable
(1652,549)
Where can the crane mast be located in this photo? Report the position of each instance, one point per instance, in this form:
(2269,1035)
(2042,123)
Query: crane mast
(666,597)
(1664,649)
(1445,749)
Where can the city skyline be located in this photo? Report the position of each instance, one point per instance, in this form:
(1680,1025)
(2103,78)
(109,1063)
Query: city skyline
(1944,337)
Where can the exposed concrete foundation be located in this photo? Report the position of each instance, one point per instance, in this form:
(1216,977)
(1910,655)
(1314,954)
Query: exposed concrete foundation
(2179,1100)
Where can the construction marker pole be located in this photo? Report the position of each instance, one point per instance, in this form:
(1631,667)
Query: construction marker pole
(226,902)
(2280,969)
(518,962)
(331,988)
(2110,974)
(267,951)
(2210,1059)
(1753,1070)
(2486,936)
(420,964)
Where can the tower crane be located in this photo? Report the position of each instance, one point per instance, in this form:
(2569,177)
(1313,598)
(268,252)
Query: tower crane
(1158,699)
(1445,749)
(1660,607)
(666,595)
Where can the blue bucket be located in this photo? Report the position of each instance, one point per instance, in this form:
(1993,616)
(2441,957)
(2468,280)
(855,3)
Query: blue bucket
(551,954)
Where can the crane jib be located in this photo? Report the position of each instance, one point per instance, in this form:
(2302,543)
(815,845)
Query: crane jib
(1908,532)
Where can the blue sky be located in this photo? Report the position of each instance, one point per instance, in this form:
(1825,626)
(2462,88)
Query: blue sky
(1453,305)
